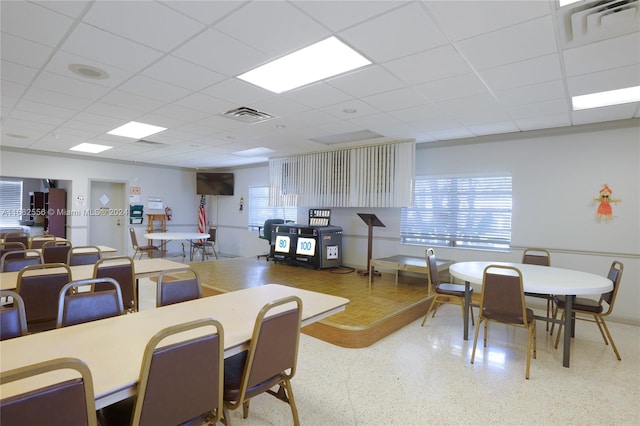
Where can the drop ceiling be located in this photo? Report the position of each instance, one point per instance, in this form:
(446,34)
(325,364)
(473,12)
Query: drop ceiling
(441,71)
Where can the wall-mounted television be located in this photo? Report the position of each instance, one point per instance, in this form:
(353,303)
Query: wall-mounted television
(214,183)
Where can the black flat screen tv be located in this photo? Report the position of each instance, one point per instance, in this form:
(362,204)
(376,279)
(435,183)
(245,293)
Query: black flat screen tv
(214,183)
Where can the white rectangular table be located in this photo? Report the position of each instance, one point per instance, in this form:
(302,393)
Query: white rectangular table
(165,237)
(113,347)
(144,268)
(542,280)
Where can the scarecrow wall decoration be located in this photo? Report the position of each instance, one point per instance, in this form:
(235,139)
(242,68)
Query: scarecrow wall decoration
(605,212)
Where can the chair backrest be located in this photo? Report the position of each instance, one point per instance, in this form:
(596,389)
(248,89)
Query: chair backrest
(432,268)
(13,319)
(212,234)
(68,402)
(503,295)
(615,275)
(80,307)
(56,251)
(39,287)
(15,260)
(266,230)
(121,269)
(178,287)
(134,238)
(39,241)
(84,255)
(181,381)
(17,237)
(273,348)
(536,256)
(11,247)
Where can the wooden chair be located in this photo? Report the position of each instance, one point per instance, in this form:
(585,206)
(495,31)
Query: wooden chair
(66,402)
(76,307)
(270,360)
(443,292)
(177,287)
(39,241)
(12,247)
(40,293)
(13,319)
(121,269)
(84,255)
(204,245)
(148,249)
(56,251)
(179,383)
(502,301)
(15,260)
(539,256)
(593,308)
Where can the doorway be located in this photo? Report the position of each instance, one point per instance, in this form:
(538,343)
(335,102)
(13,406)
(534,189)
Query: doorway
(109,214)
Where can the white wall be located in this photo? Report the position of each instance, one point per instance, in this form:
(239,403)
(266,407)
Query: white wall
(556,174)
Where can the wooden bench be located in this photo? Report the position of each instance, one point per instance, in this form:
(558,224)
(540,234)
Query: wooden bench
(405,263)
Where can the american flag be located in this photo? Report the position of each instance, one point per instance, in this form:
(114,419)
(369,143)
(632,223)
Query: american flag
(202,216)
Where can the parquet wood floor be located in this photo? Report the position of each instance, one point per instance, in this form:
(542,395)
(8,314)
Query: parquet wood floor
(369,316)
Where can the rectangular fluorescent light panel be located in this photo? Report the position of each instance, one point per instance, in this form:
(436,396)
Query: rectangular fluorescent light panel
(564,3)
(136,130)
(313,63)
(608,98)
(90,147)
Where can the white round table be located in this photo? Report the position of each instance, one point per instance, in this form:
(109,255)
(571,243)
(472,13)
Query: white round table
(538,279)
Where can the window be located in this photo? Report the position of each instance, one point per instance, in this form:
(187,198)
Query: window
(259,209)
(10,202)
(466,211)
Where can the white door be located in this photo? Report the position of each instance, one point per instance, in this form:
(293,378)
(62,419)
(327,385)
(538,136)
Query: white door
(109,215)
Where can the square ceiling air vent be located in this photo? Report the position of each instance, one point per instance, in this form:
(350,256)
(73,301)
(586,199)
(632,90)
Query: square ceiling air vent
(247,115)
(587,22)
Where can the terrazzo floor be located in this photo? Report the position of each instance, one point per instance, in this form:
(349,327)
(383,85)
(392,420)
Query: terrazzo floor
(423,376)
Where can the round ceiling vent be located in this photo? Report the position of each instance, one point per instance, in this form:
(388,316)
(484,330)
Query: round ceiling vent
(88,71)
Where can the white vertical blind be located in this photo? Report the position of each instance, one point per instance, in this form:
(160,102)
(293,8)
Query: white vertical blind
(10,202)
(370,176)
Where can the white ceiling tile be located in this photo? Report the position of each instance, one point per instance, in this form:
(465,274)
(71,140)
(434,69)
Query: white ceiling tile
(70,86)
(38,118)
(45,96)
(108,48)
(464,19)
(206,12)
(366,81)
(71,8)
(232,89)
(544,122)
(552,107)
(23,52)
(181,113)
(317,95)
(617,78)
(413,31)
(417,113)
(451,88)
(606,54)
(45,26)
(338,15)
(275,28)
(221,53)
(108,110)
(523,73)
(396,99)
(340,110)
(9,88)
(182,73)
(143,21)
(148,87)
(491,128)
(130,100)
(48,109)
(59,64)
(531,94)
(202,102)
(17,73)
(435,64)
(505,46)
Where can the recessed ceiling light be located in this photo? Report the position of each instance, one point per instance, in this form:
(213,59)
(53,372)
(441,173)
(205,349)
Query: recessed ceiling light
(254,152)
(608,98)
(321,60)
(88,71)
(90,147)
(136,130)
